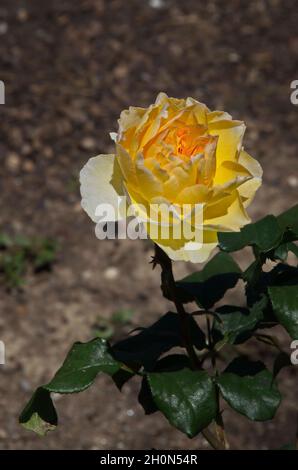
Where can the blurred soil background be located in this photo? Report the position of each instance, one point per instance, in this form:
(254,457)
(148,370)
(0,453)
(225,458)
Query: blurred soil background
(69,68)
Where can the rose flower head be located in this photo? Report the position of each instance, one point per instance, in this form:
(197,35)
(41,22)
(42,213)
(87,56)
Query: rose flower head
(175,154)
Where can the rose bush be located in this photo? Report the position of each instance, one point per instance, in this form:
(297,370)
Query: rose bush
(177,152)
(188,361)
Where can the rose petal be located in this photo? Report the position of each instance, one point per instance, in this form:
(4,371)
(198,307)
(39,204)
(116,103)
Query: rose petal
(230,135)
(96,187)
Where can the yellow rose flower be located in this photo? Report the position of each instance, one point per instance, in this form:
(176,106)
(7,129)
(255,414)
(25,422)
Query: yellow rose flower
(177,152)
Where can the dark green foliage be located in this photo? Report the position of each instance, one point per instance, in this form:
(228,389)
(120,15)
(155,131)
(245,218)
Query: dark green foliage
(175,384)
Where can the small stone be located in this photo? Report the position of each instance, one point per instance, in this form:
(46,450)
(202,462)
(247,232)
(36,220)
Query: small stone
(176,49)
(234,57)
(28,166)
(13,162)
(88,143)
(156,3)
(48,152)
(87,275)
(111,273)
(3,28)
(120,71)
(25,385)
(130,412)
(293,181)
(26,149)
(22,15)
(3,434)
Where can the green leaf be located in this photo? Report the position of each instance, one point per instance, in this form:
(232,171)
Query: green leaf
(281,274)
(209,285)
(289,220)
(249,388)
(236,323)
(145,398)
(147,346)
(172,362)
(252,274)
(39,415)
(293,248)
(284,301)
(168,363)
(281,252)
(264,234)
(187,398)
(82,364)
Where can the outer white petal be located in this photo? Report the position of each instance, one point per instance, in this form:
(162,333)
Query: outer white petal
(96,185)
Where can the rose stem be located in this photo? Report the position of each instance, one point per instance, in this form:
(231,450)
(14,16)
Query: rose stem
(219,424)
(170,291)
